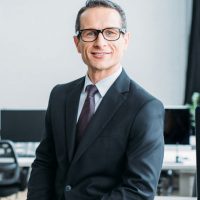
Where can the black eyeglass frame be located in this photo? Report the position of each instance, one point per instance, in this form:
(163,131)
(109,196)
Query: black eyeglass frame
(121,31)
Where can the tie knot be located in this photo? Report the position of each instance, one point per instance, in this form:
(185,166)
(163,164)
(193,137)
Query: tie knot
(91,90)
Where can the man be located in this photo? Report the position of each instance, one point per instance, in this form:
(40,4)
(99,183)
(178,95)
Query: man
(106,144)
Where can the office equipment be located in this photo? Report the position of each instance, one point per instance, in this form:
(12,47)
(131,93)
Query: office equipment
(177,125)
(197,125)
(24,128)
(22,125)
(9,171)
(180,156)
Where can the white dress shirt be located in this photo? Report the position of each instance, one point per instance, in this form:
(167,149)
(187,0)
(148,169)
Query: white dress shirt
(102,86)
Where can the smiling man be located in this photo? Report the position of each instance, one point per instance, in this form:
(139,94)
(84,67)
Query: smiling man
(101,41)
(104,133)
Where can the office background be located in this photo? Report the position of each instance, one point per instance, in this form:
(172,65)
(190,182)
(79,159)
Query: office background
(37,50)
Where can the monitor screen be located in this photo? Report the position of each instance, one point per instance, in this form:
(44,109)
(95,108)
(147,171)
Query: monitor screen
(197,127)
(22,125)
(177,125)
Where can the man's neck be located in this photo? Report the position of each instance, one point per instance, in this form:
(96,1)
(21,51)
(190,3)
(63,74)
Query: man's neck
(98,75)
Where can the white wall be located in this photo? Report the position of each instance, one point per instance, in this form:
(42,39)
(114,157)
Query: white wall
(37,50)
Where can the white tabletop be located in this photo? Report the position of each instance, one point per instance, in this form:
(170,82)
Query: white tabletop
(182,157)
(174,198)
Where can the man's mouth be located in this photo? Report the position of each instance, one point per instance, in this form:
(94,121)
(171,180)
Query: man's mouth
(100,53)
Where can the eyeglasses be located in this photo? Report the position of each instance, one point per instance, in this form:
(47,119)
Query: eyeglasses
(110,34)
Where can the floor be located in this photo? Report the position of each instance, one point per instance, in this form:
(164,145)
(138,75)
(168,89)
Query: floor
(19,196)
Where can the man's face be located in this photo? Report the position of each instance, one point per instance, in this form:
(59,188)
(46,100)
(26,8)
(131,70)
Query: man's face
(101,54)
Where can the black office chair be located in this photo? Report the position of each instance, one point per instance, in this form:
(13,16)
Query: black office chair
(165,184)
(9,170)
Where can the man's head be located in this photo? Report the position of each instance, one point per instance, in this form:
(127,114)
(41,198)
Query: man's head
(105,4)
(101,36)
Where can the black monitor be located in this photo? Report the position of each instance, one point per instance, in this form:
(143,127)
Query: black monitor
(177,125)
(197,127)
(22,125)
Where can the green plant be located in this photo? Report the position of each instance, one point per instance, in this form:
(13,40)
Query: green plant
(194,103)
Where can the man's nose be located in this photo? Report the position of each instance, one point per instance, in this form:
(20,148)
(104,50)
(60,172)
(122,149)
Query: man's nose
(100,40)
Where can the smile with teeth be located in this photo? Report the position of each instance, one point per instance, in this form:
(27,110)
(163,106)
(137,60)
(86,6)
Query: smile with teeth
(100,53)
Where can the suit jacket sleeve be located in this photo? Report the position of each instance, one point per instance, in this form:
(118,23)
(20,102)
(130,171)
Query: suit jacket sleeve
(145,152)
(41,183)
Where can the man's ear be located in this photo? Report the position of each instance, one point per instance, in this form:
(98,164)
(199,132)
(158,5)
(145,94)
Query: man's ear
(76,42)
(127,39)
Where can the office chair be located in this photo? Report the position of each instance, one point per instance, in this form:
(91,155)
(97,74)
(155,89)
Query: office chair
(9,169)
(165,184)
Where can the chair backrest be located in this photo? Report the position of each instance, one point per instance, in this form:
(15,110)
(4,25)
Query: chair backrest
(197,123)
(9,167)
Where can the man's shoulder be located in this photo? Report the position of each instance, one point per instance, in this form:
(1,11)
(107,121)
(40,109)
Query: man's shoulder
(66,87)
(140,94)
(136,92)
(140,91)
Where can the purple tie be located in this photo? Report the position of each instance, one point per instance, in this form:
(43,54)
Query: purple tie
(87,112)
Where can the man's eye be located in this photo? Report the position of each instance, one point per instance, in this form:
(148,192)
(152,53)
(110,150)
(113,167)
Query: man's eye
(90,33)
(111,33)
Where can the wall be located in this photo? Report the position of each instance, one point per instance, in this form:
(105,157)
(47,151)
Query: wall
(37,50)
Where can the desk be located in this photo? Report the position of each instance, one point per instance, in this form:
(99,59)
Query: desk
(25,162)
(181,158)
(174,198)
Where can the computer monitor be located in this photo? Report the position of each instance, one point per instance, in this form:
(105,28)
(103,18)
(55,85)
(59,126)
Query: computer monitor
(197,127)
(22,125)
(177,125)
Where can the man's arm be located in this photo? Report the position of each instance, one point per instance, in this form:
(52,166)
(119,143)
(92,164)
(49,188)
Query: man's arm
(144,156)
(41,183)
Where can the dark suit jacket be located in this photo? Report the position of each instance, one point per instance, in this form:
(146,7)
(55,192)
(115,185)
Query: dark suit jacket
(120,155)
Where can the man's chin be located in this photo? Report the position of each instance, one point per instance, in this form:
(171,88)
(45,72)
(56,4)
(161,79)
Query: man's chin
(100,66)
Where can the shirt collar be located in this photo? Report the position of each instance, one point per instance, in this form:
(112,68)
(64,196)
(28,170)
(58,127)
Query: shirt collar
(104,84)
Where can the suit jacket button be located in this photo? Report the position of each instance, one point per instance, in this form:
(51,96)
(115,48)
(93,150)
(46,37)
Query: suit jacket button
(68,188)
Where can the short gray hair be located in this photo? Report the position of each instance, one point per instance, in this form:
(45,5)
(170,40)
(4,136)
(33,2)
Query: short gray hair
(101,3)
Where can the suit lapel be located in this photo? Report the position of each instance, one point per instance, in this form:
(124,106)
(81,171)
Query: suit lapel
(72,102)
(106,110)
